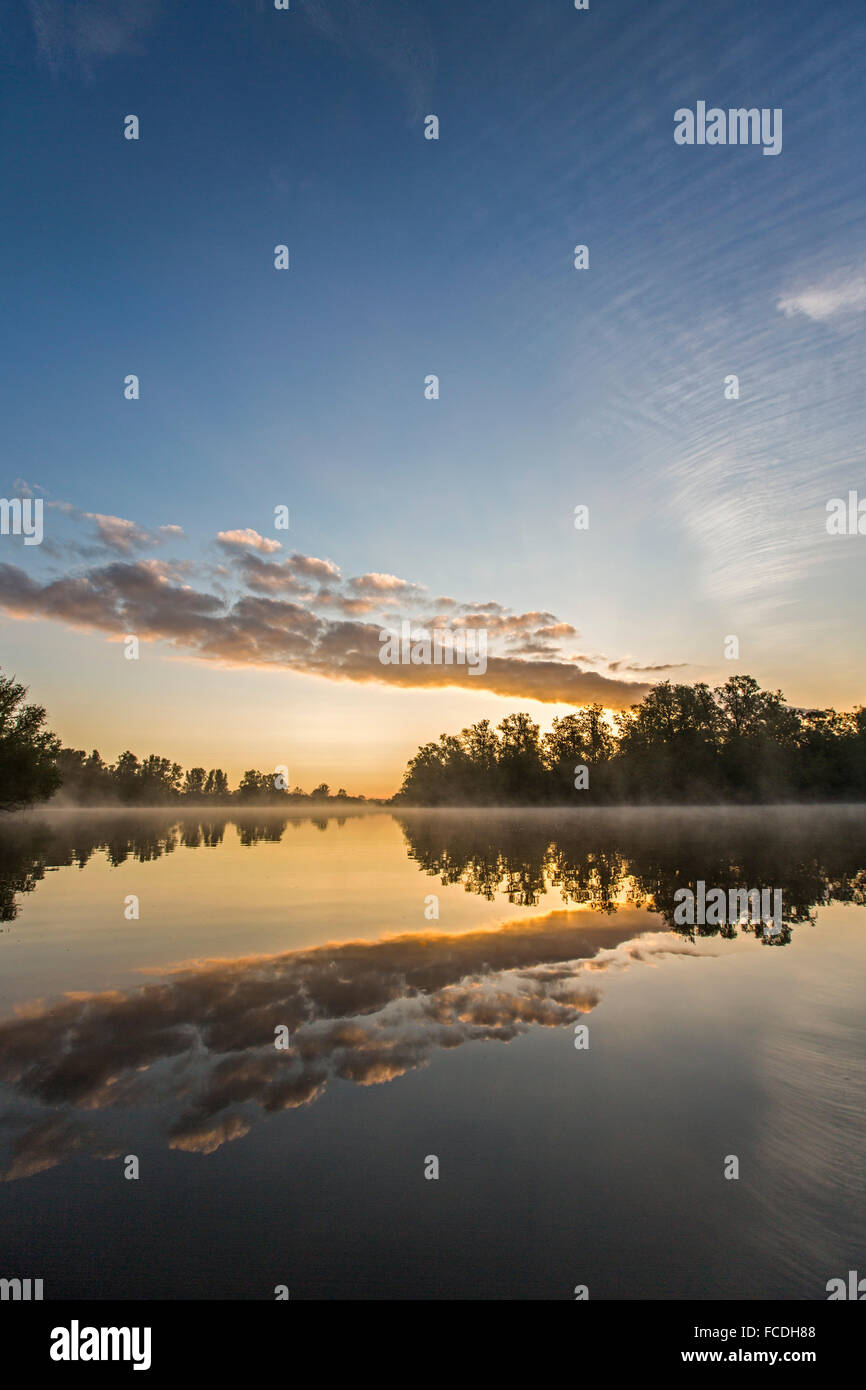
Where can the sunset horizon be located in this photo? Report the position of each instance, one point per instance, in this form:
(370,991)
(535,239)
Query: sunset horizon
(256,631)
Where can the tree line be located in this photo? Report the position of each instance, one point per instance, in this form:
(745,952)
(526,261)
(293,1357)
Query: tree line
(681,743)
(34,766)
(156,781)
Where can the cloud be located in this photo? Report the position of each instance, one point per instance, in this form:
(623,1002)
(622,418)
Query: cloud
(247,539)
(535,647)
(120,535)
(311,568)
(394,37)
(730,511)
(205,1138)
(113,532)
(144,598)
(82,33)
(636,666)
(379,584)
(268,578)
(107,532)
(276,622)
(839,296)
(259,611)
(298,575)
(355,607)
(497,621)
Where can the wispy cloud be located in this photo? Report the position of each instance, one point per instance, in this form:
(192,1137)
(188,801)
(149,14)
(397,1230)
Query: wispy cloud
(116,532)
(626,665)
(387,32)
(79,34)
(835,297)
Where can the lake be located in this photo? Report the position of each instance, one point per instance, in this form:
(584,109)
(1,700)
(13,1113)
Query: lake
(502,995)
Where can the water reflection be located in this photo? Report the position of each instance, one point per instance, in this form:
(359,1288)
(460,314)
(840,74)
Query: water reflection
(600,860)
(197,1048)
(30,844)
(193,1051)
(604,859)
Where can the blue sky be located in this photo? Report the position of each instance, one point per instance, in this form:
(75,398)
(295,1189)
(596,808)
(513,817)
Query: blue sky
(453,257)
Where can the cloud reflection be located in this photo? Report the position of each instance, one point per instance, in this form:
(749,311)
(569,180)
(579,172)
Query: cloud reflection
(195,1048)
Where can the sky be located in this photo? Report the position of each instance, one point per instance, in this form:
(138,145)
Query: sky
(304,388)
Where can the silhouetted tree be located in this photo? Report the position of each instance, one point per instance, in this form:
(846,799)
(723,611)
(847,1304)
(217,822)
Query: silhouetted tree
(193,782)
(217,783)
(28,751)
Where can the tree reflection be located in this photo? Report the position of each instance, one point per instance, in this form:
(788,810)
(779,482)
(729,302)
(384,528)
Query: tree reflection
(609,859)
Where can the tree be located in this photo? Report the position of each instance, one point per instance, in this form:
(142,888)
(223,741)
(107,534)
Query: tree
(220,782)
(125,776)
(28,770)
(251,787)
(160,779)
(194,782)
(519,758)
(474,761)
(584,738)
(216,783)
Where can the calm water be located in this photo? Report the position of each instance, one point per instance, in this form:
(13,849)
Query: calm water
(414,1035)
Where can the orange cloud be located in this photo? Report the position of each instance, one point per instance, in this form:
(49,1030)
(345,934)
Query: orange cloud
(259,630)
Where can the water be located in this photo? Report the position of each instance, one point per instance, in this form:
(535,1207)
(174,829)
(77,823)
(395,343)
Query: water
(413,1036)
